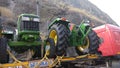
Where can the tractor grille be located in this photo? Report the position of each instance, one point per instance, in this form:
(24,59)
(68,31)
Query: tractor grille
(29,25)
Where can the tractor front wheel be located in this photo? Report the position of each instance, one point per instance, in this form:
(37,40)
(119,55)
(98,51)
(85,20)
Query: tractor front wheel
(37,50)
(50,48)
(4,58)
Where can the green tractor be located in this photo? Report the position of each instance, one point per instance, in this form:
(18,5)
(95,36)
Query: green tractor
(25,37)
(65,35)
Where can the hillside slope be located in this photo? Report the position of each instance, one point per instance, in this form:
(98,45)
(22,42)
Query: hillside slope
(73,10)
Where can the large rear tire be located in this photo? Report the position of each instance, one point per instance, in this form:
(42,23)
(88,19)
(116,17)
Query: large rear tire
(91,46)
(4,58)
(59,33)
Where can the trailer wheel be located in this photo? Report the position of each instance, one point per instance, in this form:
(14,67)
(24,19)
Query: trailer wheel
(59,33)
(4,58)
(50,48)
(91,44)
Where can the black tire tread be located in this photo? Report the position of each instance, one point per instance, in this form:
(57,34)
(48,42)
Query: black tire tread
(62,41)
(52,48)
(3,51)
(94,42)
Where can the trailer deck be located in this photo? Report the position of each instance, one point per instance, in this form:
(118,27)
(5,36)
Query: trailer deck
(44,62)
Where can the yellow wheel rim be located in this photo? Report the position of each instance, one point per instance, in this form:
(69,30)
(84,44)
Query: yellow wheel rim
(53,35)
(86,46)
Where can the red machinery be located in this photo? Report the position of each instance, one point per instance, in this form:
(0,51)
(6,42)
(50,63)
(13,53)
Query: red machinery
(110,37)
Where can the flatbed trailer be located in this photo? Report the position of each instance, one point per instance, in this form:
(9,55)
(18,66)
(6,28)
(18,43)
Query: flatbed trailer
(45,62)
(60,62)
(83,61)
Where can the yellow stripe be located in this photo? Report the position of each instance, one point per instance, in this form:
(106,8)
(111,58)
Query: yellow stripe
(15,64)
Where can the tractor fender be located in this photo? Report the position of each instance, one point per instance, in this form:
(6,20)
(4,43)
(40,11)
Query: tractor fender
(59,20)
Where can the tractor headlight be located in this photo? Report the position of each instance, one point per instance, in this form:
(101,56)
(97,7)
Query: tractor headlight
(36,19)
(25,18)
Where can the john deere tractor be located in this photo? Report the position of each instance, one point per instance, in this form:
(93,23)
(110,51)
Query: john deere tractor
(26,36)
(65,35)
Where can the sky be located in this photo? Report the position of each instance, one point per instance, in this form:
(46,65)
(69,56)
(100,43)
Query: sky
(111,7)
